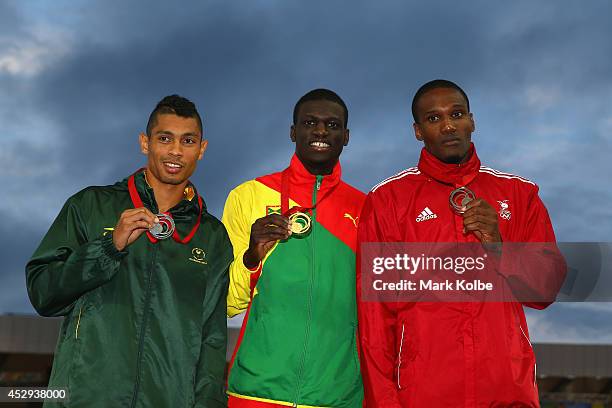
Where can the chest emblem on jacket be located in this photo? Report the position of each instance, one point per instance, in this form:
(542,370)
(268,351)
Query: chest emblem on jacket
(350,217)
(198,255)
(504,212)
(425,215)
(273,209)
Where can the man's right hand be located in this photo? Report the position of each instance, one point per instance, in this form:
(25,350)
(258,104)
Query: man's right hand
(264,234)
(132,224)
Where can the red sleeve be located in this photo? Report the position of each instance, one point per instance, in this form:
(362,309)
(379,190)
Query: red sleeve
(377,320)
(536,270)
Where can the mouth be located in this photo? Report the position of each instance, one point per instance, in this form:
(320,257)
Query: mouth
(172,167)
(451,142)
(319,145)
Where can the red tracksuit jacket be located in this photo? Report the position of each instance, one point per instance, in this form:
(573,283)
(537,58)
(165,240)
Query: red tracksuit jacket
(450,354)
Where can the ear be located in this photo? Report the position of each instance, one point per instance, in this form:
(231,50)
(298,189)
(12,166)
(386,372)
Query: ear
(144,143)
(473,123)
(292,133)
(203,146)
(346,137)
(417,131)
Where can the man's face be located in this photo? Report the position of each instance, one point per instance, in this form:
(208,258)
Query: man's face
(319,134)
(173,148)
(444,124)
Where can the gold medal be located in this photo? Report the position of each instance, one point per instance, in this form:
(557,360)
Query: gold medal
(300,221)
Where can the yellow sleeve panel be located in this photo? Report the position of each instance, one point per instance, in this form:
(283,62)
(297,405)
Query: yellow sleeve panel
(244,205)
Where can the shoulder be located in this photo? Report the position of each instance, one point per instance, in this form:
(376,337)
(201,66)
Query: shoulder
(214,226)
(351,192)
(407,176)
(97,193)
(244,188)
(252,186)
(508,179)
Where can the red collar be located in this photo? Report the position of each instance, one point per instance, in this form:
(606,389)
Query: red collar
(300,176)
(458,175)
(296,176)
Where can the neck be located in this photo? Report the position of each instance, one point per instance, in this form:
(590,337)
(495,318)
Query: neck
(457,160)
(319,169)
(166,195)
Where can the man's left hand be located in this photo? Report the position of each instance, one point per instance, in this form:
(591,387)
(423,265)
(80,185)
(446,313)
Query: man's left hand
(481,219)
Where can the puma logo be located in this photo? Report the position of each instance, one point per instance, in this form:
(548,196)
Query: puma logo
(350,217)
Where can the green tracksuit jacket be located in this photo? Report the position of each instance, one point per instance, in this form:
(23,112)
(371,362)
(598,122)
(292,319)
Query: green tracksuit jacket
(144,327)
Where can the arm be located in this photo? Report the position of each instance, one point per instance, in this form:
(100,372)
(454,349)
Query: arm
(535,270)
(69,263)
(236,221)
(251,244)
(209,384)
(377,320)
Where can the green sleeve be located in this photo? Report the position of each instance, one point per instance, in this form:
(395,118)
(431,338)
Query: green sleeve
(209,383)
(68,263)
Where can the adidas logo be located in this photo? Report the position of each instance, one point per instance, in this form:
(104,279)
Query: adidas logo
(425,215)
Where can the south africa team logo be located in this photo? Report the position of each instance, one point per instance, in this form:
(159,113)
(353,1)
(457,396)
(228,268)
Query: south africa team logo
(198,255)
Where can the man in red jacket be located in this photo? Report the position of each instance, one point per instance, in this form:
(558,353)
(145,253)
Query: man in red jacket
(443,354)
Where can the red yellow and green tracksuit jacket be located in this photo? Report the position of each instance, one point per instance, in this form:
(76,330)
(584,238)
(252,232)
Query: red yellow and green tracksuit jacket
(298,345)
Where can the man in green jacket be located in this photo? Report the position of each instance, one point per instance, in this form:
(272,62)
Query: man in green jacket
(139,269)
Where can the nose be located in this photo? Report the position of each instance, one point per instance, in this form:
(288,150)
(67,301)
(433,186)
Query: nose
(176,148)
(448,126)
(321,128)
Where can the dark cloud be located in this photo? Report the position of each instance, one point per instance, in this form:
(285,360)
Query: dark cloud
(537,74)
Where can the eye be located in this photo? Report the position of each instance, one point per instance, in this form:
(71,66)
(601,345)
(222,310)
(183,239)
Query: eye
(333,124)
(164,139)
(310,122)
(457,114)
(189,140)
(433,118)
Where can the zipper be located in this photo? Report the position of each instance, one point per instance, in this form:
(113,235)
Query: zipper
(143,326)
(399,358)
(76,330)
(317,187)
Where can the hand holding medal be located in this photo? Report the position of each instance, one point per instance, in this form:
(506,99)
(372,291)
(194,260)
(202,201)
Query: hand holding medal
(478,215)
(264,233)
(132,224)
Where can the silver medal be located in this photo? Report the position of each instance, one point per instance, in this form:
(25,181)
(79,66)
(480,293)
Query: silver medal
(164,228)
(459,198)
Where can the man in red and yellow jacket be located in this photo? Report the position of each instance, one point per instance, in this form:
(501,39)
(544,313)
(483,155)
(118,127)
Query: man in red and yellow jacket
(294,235)
(452,354)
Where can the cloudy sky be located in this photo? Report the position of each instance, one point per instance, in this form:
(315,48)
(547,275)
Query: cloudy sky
(78,81)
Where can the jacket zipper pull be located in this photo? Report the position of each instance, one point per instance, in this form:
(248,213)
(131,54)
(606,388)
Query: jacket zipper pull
(319,180)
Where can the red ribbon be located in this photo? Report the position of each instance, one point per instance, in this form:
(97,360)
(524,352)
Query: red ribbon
(137,201)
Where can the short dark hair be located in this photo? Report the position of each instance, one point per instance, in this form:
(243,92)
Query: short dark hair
(317,95)
(177,105)
(435,84)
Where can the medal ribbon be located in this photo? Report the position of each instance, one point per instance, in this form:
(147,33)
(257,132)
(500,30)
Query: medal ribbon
(137,201)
